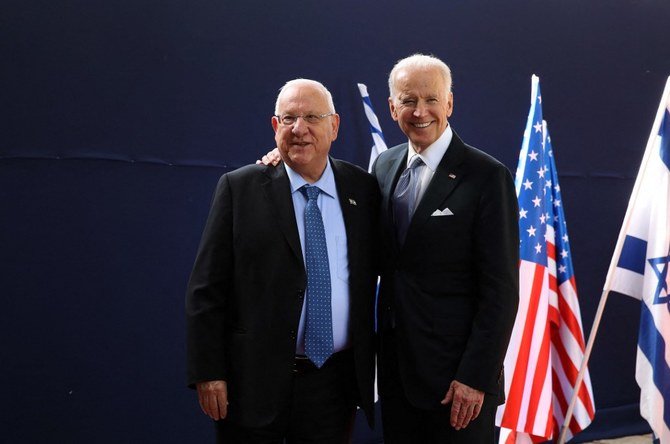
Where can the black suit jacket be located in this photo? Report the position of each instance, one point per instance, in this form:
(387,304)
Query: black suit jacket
(247,288)
(451,291)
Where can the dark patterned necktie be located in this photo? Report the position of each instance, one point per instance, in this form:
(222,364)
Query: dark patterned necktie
(405,196)
(318,321)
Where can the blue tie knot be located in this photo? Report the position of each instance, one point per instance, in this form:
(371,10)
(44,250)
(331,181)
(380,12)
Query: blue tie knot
(310,192)
(415,162)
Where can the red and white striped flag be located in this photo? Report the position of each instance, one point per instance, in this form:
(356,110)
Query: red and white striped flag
(547,345)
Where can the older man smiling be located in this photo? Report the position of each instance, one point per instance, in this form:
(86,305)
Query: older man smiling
(449,281)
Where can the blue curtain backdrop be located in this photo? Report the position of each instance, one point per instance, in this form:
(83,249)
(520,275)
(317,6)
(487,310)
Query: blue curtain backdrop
(118,117)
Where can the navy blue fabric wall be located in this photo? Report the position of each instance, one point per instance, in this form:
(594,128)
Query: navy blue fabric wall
(118,117)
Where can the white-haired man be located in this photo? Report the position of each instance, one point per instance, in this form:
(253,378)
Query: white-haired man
(449,281)
(280,304)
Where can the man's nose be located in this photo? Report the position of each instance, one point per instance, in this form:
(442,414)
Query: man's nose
(420,109)
(300,126)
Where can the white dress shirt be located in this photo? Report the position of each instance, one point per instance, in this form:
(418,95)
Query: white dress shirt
(431,156)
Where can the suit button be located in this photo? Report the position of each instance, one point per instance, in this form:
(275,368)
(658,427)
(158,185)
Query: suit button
(301,294)
(292,334)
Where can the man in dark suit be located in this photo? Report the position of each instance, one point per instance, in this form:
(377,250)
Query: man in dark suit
(449,282)
(280,304)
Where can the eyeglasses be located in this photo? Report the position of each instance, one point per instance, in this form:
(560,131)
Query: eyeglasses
(311,119)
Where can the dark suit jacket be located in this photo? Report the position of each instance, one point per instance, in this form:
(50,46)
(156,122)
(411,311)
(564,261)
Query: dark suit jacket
(247,288)
(452,289)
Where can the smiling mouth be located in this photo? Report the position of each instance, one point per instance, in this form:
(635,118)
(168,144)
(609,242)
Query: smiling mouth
(421,125)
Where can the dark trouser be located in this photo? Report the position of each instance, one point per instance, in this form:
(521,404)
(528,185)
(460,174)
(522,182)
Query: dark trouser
(321,409)
(404,423)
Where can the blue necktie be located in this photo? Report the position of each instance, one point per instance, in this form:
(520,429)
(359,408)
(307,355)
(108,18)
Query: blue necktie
(318,322)
(405,196)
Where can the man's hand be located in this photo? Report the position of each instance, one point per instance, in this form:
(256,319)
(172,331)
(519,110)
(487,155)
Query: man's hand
(213,397)
(271,158)
(466,404)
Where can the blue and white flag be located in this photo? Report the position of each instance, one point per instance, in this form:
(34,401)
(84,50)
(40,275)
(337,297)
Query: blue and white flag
(639,269)
(379,145)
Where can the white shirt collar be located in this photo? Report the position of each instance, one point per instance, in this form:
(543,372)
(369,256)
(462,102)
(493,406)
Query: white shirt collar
(326,182)
(433,154)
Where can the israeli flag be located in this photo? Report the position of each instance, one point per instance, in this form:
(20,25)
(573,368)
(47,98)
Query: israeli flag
(639,269)
(379,145)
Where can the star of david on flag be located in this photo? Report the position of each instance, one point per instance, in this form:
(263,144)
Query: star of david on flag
(659,265)
(639,269)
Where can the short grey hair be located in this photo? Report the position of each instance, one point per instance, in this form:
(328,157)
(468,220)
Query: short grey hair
(307,82)
(420,61)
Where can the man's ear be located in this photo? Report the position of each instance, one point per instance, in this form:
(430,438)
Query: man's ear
(275,123)
(450,104)
(393,109)
(335,122)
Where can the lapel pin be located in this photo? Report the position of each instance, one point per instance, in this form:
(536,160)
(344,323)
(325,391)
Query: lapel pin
(452,175)
(351,201)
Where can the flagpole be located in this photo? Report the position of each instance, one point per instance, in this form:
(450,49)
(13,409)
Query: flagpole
(617,252)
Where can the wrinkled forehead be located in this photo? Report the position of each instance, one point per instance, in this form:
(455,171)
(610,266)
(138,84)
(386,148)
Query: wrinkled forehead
(303,98)
(413,80)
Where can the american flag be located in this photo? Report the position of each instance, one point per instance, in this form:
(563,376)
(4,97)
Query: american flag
(547,345)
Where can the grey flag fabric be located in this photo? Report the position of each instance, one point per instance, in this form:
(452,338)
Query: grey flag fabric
(404,197)
(318,321)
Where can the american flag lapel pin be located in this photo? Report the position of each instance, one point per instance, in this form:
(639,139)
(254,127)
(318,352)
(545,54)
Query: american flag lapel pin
(351,201)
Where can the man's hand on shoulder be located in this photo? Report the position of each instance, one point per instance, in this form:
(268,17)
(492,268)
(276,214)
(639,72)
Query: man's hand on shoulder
(271,158)
(213,398)
(466,404)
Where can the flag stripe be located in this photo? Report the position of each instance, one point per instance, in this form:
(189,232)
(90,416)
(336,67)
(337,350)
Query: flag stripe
(664,148)
(372,117)
(653,346)
(569,317)
(378,142)
(559,398)
(515,396)
(538,383)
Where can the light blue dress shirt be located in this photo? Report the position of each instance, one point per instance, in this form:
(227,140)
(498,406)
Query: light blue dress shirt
(336,242)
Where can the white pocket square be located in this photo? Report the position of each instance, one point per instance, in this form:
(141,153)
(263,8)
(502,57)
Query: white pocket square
(445,212)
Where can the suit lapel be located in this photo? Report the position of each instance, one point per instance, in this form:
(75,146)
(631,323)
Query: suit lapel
(449,172)
(346,192)
(278,192)
(398,164)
